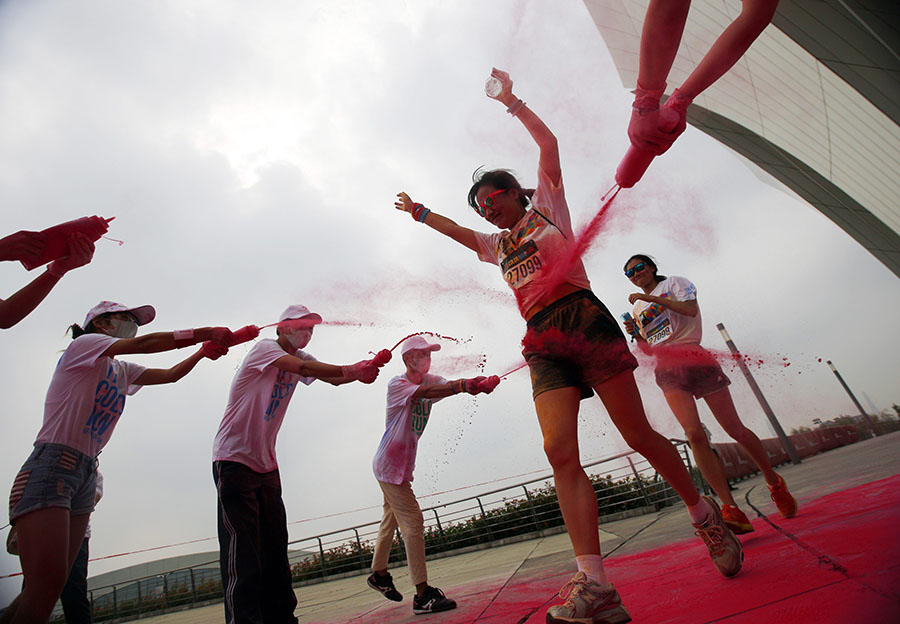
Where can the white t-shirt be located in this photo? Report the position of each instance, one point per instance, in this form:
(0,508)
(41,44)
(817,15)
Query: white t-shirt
(529,251)
(662,326)
(257,402)
(87,395)
(406,418)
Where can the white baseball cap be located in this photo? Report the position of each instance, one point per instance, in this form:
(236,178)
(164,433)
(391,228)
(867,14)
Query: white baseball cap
(415,343)
(298,312)
(144,314)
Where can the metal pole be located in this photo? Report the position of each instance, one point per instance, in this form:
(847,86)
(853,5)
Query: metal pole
(869,423)
(487,524)
(440,528)
(640,483)
(362,558)
(785,442)
(321,555)
(531,505)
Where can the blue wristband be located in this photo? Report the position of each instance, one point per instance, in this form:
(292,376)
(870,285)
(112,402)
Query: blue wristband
(420,212)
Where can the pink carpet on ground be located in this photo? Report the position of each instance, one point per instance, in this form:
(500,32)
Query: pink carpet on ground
(841,566)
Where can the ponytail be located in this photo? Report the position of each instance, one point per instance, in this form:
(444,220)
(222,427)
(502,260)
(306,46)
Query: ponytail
(77,330)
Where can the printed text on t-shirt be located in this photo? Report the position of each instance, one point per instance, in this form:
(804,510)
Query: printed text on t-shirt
(280,391)
(108,404)
(421,409)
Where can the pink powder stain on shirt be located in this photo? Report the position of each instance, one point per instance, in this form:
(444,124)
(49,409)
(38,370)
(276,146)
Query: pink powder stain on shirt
(582,243)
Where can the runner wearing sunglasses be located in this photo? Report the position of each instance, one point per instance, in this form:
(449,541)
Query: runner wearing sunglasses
(667,323)
(573,347)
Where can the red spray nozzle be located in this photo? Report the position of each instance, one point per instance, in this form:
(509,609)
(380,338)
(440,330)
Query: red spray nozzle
(636,160)
(244,334)
(56,243)
(381,358)
(488,383)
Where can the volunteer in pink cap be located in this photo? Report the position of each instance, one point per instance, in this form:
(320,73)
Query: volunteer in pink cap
(409,400)
(53,495)
(25,246)
(256,577)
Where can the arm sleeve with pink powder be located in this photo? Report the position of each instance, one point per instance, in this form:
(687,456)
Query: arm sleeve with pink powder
(399,393)
(487,246)
(84,351)
(303,355)
(681,289)
(133,371)
(550,200)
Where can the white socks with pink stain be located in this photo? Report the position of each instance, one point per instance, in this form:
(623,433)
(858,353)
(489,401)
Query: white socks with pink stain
(592,566)
(699,512)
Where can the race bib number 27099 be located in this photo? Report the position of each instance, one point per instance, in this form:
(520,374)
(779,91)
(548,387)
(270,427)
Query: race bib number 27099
(522,265)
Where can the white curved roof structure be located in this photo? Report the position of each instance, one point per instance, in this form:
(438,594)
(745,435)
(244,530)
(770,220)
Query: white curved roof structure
(815,101)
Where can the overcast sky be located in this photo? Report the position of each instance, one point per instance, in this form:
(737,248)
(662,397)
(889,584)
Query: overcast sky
(251,152)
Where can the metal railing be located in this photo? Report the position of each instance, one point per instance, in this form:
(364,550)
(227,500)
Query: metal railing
(628,486)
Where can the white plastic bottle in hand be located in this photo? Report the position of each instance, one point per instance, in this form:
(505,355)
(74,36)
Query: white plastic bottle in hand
(493,87)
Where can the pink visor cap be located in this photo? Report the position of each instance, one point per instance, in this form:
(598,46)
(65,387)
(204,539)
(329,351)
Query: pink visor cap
(299,312)
(144,314)
(417,343)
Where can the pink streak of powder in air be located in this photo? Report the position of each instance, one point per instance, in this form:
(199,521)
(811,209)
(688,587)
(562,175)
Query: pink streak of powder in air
(582,243)
(454,365)
(433,334)
(511,371)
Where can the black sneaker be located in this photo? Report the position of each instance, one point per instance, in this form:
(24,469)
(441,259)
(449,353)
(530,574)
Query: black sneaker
(384,585)
(432,600)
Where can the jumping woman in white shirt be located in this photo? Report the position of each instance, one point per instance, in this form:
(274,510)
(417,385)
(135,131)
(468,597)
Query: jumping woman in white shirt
(574,347)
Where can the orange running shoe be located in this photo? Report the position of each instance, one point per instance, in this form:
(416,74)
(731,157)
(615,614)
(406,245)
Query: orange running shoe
(736,520)
(786,503)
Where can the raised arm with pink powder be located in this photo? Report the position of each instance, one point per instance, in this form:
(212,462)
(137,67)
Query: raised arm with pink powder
(654,129)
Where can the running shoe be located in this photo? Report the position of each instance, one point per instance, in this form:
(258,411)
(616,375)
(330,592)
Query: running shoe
(786,503)
(432,600)
(736,520)
(384,585)
(724,548)
(587,602)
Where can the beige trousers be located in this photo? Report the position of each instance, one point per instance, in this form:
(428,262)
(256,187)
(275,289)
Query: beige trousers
(401,509)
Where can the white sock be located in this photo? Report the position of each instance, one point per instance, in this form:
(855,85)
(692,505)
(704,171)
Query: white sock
(592,566)
(699,512)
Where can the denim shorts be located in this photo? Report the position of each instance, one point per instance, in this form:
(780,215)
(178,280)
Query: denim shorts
(54,475)
(575,342)
(694,370)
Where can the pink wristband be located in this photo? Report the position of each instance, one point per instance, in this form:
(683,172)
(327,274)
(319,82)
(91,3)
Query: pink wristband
(184,337)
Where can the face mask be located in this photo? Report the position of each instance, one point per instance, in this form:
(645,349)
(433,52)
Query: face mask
(420,363)
(123,328)
(299,339)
